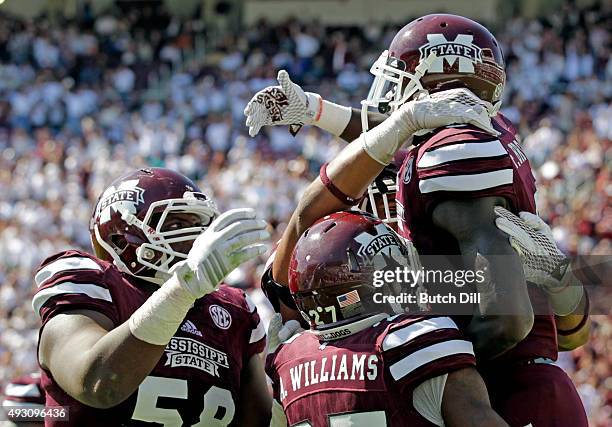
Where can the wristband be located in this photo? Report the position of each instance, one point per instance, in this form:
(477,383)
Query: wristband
(583,321)
(565,299)
(332,118)
(320,109)
(157,320)
(338,194)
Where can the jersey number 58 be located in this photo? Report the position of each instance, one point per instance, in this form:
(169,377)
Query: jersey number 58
(153,388)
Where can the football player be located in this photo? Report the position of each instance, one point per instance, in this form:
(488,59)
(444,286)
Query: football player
(24,393)
(449,184)
(144,331)
(364,363)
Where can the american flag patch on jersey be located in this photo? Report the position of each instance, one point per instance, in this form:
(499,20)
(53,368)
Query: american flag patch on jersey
(349,298)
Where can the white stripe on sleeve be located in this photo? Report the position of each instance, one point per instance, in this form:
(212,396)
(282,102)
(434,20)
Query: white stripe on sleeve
(89,289)
(257,333)
(408,333)
(62,264)
(22,390)
(250,303)
(475,182)
(429,354)
(468,150)
(7,403)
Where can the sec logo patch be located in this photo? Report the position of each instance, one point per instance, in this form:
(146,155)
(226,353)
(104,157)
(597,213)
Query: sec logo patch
(220,316)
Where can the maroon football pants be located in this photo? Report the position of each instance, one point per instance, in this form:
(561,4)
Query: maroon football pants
(538,394)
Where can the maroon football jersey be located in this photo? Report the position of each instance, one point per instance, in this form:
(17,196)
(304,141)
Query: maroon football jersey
(198,377)
(465,162)
(367,378)
(25,391)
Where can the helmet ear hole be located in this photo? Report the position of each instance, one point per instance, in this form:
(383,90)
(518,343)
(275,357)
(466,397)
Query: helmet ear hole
(384,108)
(119,242)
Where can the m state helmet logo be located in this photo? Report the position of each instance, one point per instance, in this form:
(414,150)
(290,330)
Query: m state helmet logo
(461,49)
(382,249)
(123,198)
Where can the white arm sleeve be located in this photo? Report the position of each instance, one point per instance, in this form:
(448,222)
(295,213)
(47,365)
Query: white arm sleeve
(427,399)
(278,415)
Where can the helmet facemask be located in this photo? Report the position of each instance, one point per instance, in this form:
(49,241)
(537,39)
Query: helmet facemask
(392,85)
(380,200)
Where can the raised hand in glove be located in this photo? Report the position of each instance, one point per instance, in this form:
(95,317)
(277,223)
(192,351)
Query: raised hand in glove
(233,238)
(453,106)
(286,104)
(543,262)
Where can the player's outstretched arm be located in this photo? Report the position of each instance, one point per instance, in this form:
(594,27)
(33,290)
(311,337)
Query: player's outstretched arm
(289,104)
(353,128)
(472,223)
(465,402)
(347,177)
(101,366)
(350,172)
(255,402)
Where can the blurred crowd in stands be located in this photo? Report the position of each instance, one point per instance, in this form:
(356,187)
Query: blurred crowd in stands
(83,101)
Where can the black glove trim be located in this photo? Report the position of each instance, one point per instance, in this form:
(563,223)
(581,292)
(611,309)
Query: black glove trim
(276,292)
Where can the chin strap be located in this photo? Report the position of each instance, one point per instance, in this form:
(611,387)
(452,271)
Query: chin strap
(157,320)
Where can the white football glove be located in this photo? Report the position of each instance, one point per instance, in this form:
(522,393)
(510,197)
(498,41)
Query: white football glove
(454,106)
(232,239)
(543,262)
(286,104)
(279,332)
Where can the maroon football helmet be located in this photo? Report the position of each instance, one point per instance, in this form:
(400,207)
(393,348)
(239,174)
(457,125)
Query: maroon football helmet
(127,226)
(332,271)
(434,52)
